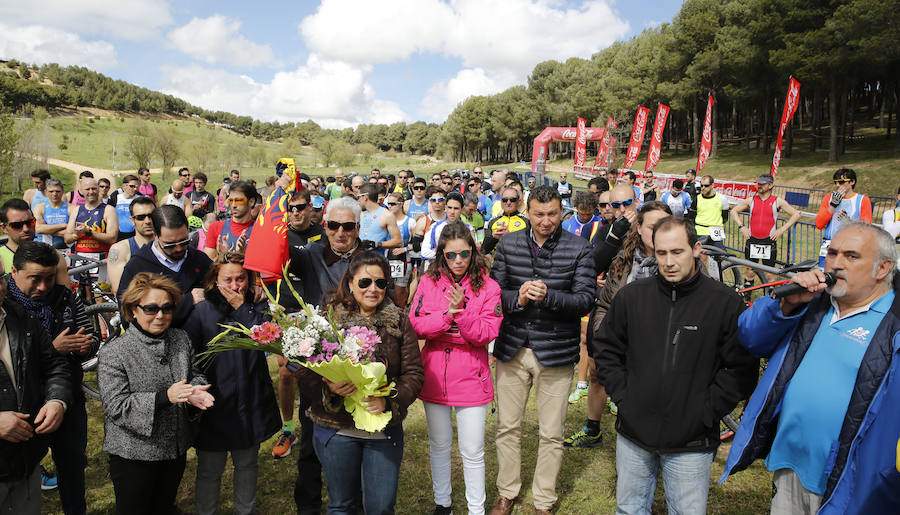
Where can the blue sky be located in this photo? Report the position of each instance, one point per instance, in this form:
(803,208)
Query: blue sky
(338,62)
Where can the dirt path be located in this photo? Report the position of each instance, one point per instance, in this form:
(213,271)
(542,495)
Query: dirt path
(98,172)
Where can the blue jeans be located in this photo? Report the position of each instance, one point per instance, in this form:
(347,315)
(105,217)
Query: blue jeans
(685,477)
(360,474)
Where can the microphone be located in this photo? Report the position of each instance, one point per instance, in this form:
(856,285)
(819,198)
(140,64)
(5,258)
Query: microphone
(789,289)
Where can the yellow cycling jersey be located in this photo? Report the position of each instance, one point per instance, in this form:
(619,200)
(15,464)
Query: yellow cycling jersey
(514,222)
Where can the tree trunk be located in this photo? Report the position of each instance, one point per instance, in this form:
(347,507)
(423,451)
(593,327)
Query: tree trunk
(833,119)
(854,104)
(714,133)
(842,129)
(788,140)
(695,134)
(816,119)
(749,130)
(764,128)
(884,101)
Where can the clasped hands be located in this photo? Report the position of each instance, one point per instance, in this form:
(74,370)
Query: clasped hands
(196,396)
(535,291)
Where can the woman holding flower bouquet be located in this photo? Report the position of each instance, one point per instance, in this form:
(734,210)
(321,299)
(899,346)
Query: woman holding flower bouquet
(457,310)
(246,412)
(149,388)
(362,468)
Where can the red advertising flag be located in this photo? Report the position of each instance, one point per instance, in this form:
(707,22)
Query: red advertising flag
(790,107)
(659,125)
(706,142)
(580,143)
(267,248)
(603,153)
(611,155)
(637,136)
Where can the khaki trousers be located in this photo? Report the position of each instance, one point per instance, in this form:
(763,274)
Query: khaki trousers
(790,497)
(551,385)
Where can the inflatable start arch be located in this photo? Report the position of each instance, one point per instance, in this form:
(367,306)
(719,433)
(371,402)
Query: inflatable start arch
(551,134)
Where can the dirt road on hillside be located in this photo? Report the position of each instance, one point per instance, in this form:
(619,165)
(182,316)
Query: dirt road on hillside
(98,172)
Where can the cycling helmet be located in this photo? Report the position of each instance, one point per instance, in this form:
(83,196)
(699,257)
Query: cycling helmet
(195,222)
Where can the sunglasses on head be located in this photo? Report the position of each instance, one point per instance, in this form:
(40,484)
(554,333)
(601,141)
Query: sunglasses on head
(451,256)
(436,199)
(154,309)
(347,226)
(182,243)
(19,225)
(365,282)
(296,208)
(509,199)
(624,203)
(142,217)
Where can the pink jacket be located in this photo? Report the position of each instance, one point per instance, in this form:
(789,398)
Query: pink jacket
(455,355)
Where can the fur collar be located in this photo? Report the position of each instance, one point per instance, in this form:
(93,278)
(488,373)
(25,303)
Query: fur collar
(387,317)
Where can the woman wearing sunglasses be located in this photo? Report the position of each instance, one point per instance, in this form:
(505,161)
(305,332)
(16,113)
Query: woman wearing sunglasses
(457,310)
(151,392)
(245,413)
(362,469)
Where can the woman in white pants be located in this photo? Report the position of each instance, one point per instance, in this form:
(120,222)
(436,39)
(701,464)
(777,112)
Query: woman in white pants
(457,310)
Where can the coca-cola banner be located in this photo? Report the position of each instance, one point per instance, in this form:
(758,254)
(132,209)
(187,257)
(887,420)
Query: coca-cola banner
(706,142)
(602,160)
(580,142)
(790,107)
(551,134)
(733,191)
(659,125)
(637,136)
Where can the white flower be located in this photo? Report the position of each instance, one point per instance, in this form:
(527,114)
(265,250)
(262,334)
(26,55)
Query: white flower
(350,347)
(290,342)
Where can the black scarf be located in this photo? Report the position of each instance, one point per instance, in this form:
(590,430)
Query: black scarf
(39,309)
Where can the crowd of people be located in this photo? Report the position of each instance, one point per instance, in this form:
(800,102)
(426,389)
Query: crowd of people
(481,290)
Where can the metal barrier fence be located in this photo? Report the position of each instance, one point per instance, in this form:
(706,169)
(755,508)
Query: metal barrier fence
(879,204)
(800,243)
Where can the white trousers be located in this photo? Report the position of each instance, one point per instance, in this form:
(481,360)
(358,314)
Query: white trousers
(470,428)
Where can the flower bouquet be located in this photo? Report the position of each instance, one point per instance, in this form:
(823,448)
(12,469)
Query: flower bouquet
(309,339)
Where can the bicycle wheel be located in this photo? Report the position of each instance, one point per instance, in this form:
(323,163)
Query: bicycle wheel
(106,323)
(731,276)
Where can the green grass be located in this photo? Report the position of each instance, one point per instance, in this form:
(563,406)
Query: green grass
(586,482)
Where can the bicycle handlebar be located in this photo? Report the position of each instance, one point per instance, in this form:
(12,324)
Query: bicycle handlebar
(84,268)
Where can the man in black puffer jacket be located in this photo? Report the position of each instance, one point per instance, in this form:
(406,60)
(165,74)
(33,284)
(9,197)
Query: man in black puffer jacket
(547,280)
(669,356)
(35,390)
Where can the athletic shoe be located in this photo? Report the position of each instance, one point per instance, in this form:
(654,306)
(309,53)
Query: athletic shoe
(577,394)
(582,440)
(442,510)
(48,481)
(612,406)
(283,446)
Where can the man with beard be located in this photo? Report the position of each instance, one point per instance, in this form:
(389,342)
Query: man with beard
(170,254)
(17,221)
(120,253)
(231,235)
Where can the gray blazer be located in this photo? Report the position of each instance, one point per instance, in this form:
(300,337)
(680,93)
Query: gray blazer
(131,370)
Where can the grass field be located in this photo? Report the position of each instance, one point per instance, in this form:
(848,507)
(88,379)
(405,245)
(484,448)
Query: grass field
(586,482)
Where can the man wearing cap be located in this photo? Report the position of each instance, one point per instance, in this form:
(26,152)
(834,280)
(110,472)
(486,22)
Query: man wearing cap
(761,234)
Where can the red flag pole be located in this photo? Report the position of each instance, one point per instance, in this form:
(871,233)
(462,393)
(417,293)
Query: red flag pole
(790,107)
(637,136)
(706,142)
(659,125)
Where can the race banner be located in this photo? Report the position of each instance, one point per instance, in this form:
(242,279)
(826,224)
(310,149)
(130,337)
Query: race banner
(603,153)
(637,136)
(790,107)
(611,154)
(706,142)
(267,250)
(580,142)
(659,125)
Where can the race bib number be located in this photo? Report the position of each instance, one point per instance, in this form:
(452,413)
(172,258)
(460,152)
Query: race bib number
(760,251)
(717,233)
(398,268)
(823,250)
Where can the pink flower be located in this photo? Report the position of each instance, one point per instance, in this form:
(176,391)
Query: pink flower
(265,333)
(306,347)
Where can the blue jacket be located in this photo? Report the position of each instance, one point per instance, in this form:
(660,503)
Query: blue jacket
(863,475)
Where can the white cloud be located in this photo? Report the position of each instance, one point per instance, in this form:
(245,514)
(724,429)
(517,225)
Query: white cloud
(501,34)
(443,97)
(41,45)
(217,39)
(332,93)
(132,20)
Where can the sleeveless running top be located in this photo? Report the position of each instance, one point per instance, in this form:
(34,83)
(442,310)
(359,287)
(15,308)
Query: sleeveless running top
(415,209)
(77,199)
(763,214)
(369,227)
(709,213)
(6,256)
(122,211)
(405,230)
(133,246)
(39,198)
(52,216)
(172,201)
(146,189)
(586,230)
(231,239)
(850,205)
(93,219)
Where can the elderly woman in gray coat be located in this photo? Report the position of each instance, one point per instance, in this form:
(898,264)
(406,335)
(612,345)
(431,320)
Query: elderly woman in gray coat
(150,391)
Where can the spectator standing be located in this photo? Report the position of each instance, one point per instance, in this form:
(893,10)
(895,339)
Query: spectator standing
(104,185)
(417,206)
(17,221)
(650,188)
(696,364)
(398,258)
(678,200)
(691,188)
(586,223)
(231,235)
(147,188)
(841,206)
(122,251)
(234,177)
(712,211)
(76,196)
(471,216)
(94,226)
(176,197)
(32,285)
(245,413)
(890,219)
(149,387)
(34,384)
(457,312)
(202,201)
(52,217)
(361,468)
(334,187)
(453,209)
(377,226)
(612,178)
(121,200)
(824,413)
(508,221)
(597,185)
(538,341)
(185,175)
(38,194)
(564,187)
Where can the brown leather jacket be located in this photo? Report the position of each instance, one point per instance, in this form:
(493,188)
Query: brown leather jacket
(399,350)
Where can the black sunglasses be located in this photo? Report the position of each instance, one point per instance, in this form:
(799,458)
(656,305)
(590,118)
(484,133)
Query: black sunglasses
(602,204)
(182,243)
(624,203)
(347,226)
(318,209)
(365,282)
(141,218)
(510,199)
(437,199)
(19,225)
(154,309)
(705,185)
(451,256)
(392,204)
(296,208)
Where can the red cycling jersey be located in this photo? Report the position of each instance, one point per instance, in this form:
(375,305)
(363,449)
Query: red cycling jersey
(763,214)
